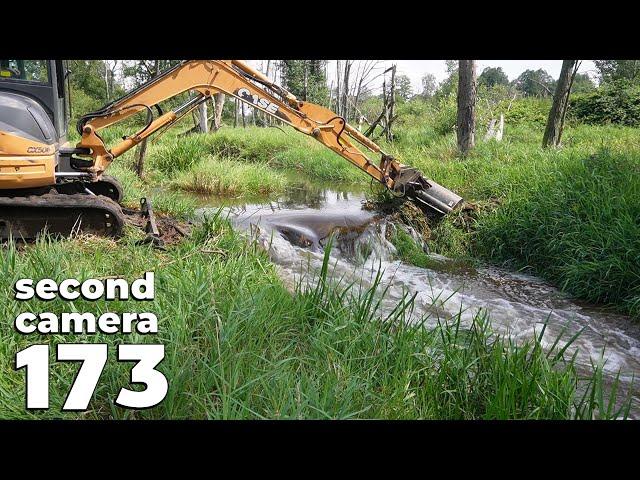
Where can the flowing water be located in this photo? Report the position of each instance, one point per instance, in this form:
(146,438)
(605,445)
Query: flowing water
(295,228)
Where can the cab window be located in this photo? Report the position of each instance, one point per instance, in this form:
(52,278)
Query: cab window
(29,70)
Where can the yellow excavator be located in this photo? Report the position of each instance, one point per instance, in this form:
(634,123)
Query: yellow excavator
(48,183)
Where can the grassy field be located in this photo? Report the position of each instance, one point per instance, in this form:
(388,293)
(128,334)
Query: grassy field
(240,345)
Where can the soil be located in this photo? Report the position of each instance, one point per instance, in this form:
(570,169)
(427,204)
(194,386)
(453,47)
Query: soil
(171,230)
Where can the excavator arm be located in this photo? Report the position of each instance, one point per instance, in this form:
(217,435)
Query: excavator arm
(237,79)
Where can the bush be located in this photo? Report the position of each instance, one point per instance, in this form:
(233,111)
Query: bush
(615,102)
(531,111)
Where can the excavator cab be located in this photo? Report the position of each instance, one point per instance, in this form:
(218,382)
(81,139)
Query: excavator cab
(39,188)
(34,99)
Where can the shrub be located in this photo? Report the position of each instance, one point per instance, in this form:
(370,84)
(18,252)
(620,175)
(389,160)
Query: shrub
(530,110)
(614,102)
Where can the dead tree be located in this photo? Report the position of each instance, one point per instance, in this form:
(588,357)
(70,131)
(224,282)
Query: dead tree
(466,123)
(555,122)
(235,113)
(344,108)
(141,150)
(218,106)
(203,121)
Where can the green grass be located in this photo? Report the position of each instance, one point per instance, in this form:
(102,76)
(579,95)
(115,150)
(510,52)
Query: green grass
(240,345)
(569,214)
(288,150)
(221,176)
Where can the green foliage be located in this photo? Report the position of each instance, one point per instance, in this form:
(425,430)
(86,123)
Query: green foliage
(535,83)
(613,70)
(493,76)
(429,85)
(531,110)
(306,79)
(613,102)
(403,88)
(582,83)
(88,76)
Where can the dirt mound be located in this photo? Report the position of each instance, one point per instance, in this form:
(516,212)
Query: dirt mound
(171,230)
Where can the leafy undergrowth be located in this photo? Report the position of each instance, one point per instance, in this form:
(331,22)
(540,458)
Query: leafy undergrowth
(238,344)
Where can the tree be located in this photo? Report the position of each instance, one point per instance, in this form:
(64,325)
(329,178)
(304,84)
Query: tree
(144,72)
(450,84)
(218,107)
(492,76)
(203,119)
(429,85)
(403,87)
(536,83)
(582,83)
(555,123)
(306,79)
(467,88)
(611,70)
(88,76)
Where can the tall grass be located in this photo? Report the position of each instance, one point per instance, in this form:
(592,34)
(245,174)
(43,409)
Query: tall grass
(577,223)
(569,214)
(239,345)
(227,177)
(289,150)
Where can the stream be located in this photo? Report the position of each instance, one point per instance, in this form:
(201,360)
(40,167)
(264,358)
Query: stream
(295,228)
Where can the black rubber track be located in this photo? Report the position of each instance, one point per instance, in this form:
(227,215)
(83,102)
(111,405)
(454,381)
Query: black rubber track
(27,217)
(108,186)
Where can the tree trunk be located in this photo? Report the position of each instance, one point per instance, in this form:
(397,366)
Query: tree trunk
(392,103)
(466,123)
(555,122)
(338,82)
(345,90)
(218,106)
(203,121)
(141,151)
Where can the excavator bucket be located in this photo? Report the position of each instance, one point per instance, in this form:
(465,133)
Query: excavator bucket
(428,195)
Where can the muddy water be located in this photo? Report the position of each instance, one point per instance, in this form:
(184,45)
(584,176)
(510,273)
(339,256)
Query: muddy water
(295,228)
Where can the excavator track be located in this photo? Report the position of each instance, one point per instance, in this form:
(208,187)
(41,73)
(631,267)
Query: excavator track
(26,217)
